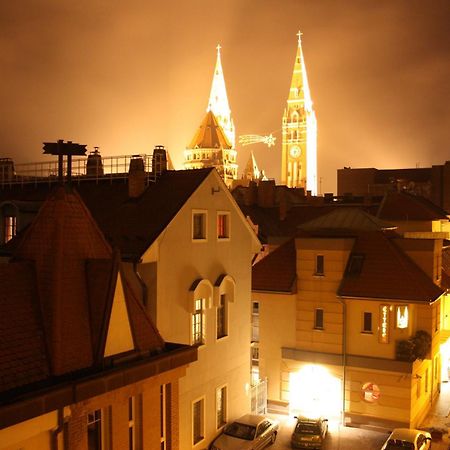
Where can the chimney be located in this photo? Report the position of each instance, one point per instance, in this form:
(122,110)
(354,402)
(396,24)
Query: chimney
(266,193)
(94,164)
(136,177)
(159,160)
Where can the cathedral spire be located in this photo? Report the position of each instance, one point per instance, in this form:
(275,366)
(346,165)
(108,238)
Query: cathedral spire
(299,141)
(218,101)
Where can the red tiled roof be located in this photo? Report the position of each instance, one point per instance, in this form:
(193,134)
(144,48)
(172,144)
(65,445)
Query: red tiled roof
(276,272)
(404,206)
(23,357)
(445,283)
(60,240)
(387,272)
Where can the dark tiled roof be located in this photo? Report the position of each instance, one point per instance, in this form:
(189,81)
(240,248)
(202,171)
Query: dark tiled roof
(23,357)
(133,224)
(276,272)
(386,272)
(404,206)
(348,218)
(210,134)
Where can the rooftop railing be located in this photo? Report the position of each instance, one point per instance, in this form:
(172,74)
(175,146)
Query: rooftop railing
(90,168)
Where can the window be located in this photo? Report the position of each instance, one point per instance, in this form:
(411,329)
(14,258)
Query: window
(367,322)
(255,362)
(165,392)
(418,386)
(197,421)
(320,265)
(426,380)
(222,317)
(198,322)
(94,430)
(199,225)
(9,228)
(318,319)
(402,317)
(221,406)
(223,225)
(255,321)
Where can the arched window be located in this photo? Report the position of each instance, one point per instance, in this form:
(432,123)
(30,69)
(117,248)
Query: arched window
(199,299)
(224,290)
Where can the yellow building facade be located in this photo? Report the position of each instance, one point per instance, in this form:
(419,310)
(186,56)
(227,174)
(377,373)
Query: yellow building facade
(337,350)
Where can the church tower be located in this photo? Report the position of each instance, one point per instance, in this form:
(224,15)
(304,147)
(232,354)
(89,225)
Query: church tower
(299,140)
(218,101)
(213,145)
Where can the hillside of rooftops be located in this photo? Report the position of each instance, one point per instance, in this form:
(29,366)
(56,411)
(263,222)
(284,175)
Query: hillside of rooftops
(72,163)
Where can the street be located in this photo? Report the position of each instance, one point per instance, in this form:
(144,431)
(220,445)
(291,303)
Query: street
(338,438)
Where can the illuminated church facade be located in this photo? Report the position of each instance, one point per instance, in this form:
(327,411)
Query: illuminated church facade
(299,132)
(214,143)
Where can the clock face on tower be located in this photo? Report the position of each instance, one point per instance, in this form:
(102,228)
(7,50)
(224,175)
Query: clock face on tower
(294,151)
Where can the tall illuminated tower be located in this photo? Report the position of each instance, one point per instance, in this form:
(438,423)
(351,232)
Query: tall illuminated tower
(218,101)
(213,144)
(299,140)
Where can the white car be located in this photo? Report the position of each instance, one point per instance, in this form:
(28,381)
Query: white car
(408,439)
(250,432)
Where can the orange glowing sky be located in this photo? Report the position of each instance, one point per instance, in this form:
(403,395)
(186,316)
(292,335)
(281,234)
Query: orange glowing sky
(126,76)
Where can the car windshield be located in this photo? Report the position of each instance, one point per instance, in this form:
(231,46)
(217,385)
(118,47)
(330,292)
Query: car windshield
(241,431)
(307,428)
(395,444)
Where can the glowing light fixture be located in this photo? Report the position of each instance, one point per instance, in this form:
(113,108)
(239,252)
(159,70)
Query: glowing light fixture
(248,139)
(384,324)
(314,391)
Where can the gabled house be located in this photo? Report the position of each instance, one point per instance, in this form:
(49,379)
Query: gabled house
(352,330)
(82,365)
(186,251)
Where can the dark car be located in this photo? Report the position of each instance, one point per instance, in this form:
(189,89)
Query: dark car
(309,432)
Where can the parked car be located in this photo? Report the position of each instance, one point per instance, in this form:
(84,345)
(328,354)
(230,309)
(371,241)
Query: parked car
(309,432)
(407,439)
(250,432)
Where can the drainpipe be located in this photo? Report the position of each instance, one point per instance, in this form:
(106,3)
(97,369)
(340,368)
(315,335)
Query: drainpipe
(55,433)
(344,353)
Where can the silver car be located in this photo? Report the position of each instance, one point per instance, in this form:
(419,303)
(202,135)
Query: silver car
(250,432)
(407,439)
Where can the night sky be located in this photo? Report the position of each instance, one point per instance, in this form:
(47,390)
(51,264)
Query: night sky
(126,76)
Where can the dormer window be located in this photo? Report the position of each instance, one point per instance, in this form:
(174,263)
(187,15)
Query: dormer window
(9,228)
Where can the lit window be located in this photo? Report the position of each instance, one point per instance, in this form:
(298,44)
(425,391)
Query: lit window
(199,226)
(254,349)
(223,225)
(402,317)
(9,227)
(164,414)
(94,430)
(318,319)
(222,317)
(367,322)
(197,421)
(221,406)
(255,321)
(320,265)
(197,323)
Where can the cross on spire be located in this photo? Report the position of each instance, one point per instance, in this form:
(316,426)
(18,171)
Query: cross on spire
(218,48)
(299,34)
